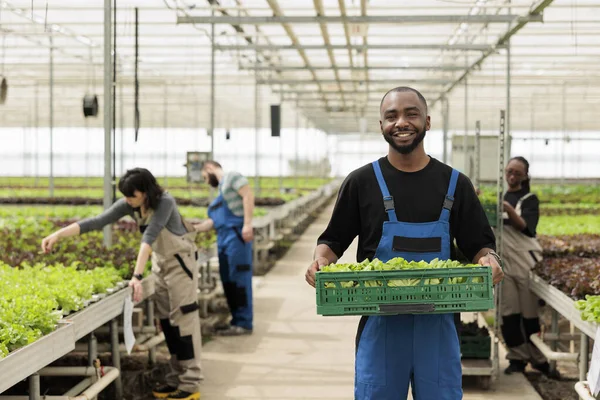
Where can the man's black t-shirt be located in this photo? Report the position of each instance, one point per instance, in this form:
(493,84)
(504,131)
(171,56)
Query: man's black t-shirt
(530,210)
(418,197)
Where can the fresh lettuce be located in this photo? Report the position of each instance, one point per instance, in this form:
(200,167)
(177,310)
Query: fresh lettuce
(396,264)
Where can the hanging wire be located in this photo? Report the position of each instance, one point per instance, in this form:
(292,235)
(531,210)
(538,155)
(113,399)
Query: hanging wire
(182,10)
(46,18)
(3,43)
(3,52)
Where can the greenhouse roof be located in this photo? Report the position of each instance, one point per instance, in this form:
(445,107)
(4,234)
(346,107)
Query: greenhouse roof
(333,59)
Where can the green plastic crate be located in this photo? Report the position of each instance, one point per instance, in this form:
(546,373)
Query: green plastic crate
(476,347)
(444,297)
(491,212)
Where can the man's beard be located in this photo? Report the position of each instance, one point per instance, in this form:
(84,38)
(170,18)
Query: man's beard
(212,180)
(408,148)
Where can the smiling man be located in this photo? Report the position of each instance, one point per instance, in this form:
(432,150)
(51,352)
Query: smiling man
(408,205)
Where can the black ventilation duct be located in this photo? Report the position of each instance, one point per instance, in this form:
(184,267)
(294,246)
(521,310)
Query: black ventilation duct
(90,105)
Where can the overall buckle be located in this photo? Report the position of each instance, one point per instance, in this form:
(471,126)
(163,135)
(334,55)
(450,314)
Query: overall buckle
(448,202)
(388,203)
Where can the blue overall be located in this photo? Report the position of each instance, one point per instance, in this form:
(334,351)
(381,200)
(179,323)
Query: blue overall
(235,261)
(422,349)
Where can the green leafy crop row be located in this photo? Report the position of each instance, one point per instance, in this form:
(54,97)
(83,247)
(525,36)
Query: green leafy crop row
(20,242)
(590,308)
(34,298)
(79,212)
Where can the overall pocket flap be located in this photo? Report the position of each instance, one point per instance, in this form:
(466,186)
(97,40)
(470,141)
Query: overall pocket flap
(417,245)
(188,308)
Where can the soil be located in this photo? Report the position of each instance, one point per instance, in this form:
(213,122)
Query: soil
(553,390)
(563,389)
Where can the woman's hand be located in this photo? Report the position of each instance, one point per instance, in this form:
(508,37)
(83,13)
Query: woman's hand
(137,289)
(48,242)
(204,226)
(507,206)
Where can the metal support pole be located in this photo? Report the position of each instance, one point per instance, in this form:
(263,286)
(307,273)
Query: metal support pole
(26,130)
(37,128)
(280,150)
(165,124)
(296,148)
(464,141)
(113,90)
(34,387)
(584,357)
(564,131)
(500,182)
(51,116)
(107,116)
(256,130)
(477,153)
(307,162)
(122,124)
(554,330)
(92,349)
(507,139)
(499,234)
(212,87)
(446,124)
(116,356)
(150,323)
(532,147)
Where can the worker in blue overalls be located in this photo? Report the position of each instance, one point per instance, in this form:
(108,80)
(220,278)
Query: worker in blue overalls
(408,205)
(230,214)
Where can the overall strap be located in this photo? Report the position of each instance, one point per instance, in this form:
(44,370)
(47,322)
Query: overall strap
(449,200)
(520,202)
(388,201)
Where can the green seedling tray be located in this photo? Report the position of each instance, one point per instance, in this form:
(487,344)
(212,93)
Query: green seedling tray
(479,347)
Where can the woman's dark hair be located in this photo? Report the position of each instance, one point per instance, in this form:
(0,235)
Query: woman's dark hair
(526,184)
(142,180)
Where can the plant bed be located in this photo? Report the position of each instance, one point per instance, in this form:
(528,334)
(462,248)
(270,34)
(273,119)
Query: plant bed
(34,299)
(89,201)
(569,225)
(550,209)
(582,245)
(573,275)
(20,240)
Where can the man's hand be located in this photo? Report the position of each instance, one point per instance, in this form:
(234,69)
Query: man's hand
(137,289)
(48,242)
(497,273)
(314,267)
(248,232)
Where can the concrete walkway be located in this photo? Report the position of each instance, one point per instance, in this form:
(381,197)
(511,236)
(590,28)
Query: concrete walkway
(295,353)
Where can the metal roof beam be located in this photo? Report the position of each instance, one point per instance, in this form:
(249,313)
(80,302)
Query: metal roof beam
(330,47)
(502,41)
(365,38)
(363,19)
(326,40)
(288,29)
(389,82)
(390,67)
